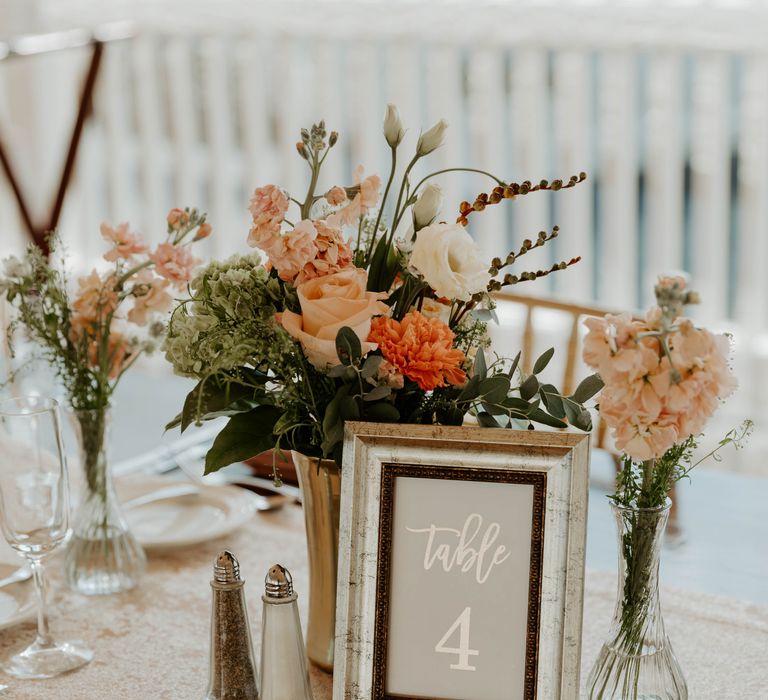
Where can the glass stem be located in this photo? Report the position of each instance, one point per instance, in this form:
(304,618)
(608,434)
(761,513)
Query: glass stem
(44,638)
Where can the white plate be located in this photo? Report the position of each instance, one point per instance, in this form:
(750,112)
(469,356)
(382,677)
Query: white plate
(18,602)
(185,520)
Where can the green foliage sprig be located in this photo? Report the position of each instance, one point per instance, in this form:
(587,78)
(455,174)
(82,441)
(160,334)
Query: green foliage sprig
(647,485)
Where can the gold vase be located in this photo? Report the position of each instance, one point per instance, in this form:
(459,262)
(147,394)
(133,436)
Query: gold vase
(320,483)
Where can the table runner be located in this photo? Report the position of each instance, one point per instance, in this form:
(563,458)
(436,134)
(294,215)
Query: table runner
(153,642)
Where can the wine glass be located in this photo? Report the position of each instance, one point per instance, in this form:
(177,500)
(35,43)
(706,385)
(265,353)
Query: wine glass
(34,518)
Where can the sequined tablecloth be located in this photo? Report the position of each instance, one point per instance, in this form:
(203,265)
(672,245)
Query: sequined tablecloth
(153,642)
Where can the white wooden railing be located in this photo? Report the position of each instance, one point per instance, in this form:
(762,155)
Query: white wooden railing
(666,109)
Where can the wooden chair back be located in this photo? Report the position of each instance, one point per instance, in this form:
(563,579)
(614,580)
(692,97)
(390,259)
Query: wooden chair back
(577,313)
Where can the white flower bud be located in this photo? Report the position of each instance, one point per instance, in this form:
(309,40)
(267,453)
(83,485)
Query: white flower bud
(427,206)
(432,138)
(393,126)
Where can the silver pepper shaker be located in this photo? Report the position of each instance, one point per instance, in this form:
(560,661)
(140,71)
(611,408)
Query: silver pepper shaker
(232,666)
(284,674)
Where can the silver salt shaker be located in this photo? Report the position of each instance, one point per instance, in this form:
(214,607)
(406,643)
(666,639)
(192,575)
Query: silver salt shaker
(232,666)
(284,674)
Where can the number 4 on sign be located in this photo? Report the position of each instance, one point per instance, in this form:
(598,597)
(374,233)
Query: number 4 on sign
(463,650)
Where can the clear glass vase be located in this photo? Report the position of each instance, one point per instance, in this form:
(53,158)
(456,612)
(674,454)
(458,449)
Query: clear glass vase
(102,556)
(637,661)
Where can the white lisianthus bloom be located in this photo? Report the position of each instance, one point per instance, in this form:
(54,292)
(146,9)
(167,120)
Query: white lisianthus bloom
(432,138)
(393,126)
(450,261)
(13,267)
(427,206)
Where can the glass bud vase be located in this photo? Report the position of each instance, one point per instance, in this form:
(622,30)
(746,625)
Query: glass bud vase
(102,556)
(637,661)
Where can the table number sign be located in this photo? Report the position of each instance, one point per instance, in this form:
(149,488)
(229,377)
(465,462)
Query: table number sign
(461,564)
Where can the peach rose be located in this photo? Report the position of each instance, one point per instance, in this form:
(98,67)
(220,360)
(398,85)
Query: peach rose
(328,304)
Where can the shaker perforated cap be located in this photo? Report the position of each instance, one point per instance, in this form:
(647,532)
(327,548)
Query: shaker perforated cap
(278,582)
(226,568)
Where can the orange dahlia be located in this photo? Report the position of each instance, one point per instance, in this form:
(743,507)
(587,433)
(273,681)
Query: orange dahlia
(421,348)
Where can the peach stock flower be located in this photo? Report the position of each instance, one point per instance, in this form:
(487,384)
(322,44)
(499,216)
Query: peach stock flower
(421,348)
(290,252)
(328,304)
(204,231)
(95,299)
(365,199)
(150,297)
(333,253)
(118,354)
(652,400)
(268,206)
(125,243)
(175,263)
(177,218)
(336,195)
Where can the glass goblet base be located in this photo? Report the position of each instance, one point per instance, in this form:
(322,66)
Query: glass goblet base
(47,660)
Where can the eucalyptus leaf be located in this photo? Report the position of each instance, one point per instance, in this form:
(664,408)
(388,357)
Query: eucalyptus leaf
(572,410)
(517,404)
(337,372)
(333,437)
(529,387)
(539,416)
(486,420)
(377,393)
(371,366)
(584,421)
(348,346)
(331,416)
(513,367)
(495,389)
(382,412)
(494,409)
(470,391)
(543,361)
(552,401)
(588,388)
(348,408)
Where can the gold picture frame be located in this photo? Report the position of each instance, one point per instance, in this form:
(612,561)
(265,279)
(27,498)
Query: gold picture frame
(377,457)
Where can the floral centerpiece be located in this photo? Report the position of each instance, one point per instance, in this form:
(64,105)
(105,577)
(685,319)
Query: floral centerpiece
(341,315)
(664,378)
(91,341)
